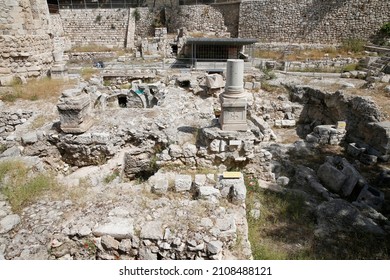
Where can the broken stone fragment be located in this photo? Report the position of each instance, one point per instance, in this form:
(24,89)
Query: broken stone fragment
(109,243)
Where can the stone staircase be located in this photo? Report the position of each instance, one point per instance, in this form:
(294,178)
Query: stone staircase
(379,65)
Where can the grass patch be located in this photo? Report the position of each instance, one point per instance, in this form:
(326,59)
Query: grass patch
(350,67)
(3,147)
(285,227)
(354,45)
(268,87)
(91,48)
(41,120)
(21,186)
(350,48)
(275,55)
(88,72)
(39,89)
(111,177)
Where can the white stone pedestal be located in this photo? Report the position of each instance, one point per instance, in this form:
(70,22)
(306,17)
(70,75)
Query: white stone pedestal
(233,100)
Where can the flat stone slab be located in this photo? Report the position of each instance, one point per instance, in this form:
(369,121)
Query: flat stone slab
(152,230)
(119,228)
(8,223)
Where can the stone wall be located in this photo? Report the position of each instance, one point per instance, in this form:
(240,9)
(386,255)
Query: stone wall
(24,55)
(196,18)
(144,25)
(321,107)
(9,120)
(312,21)
(25,45)
(19,17)
(231,15)
(107,27)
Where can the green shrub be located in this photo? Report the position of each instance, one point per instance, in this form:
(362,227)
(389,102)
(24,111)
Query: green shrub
(354,45)
(98,18)
(136,15)
(385,29)
(350,67)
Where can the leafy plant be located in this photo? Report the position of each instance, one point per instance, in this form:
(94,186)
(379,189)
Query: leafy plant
(98,18)
(136,14)
(90,247)
(385,29)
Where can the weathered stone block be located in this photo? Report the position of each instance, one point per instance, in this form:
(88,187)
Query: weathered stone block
(74,111)
(331,177)
(161,186)
(119,228)
(207,192)
(377,135)
(372,197)
(183,183)
(200,180)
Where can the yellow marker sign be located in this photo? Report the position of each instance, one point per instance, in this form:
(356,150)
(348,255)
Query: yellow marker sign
(341,125)
(232,175)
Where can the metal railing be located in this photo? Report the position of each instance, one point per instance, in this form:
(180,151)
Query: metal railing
(207,2)
(95,4)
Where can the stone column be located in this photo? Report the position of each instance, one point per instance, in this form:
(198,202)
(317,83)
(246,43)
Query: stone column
(233,100)
(74,110)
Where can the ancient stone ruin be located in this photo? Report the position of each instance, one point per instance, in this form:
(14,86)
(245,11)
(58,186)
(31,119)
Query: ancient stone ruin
(174,136)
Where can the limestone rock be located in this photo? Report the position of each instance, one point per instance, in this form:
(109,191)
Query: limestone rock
(207,192)
(214,247)
(8,223)
(183,183)
(11,152)
(74,110)
(109,243)
(152,230)
(29,138)
(214,81)
(161,186)
(118,228)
